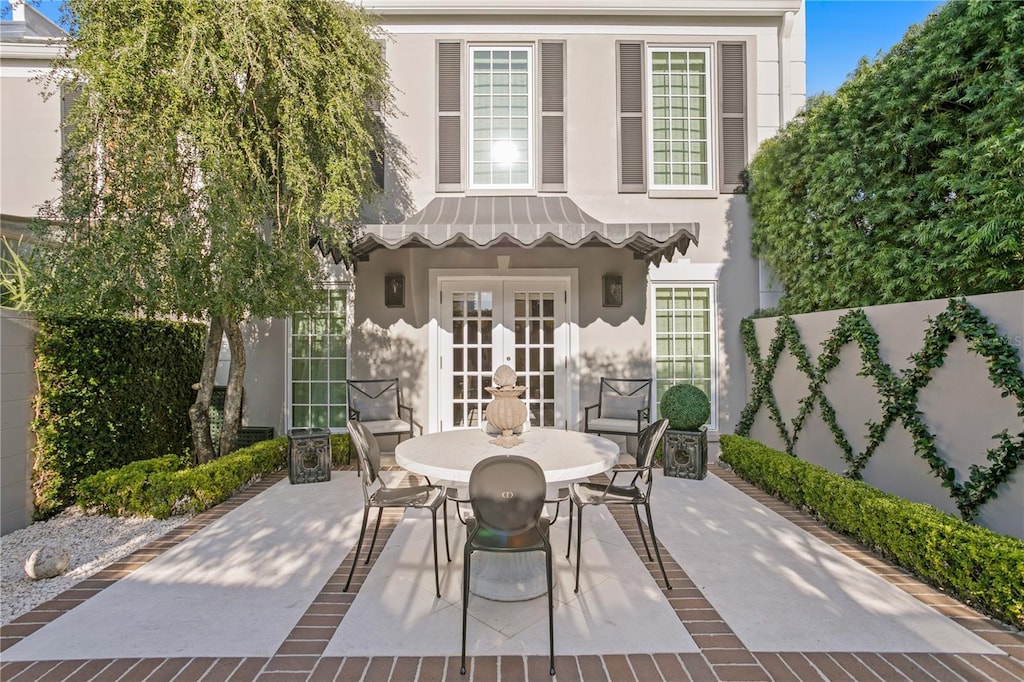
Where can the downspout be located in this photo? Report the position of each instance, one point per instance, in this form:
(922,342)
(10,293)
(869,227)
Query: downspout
(769,292)
(785,73)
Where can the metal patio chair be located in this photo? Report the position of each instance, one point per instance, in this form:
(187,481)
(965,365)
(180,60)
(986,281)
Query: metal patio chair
(507,494)
(630,486)
(376,493)
(623,408)
(377,403)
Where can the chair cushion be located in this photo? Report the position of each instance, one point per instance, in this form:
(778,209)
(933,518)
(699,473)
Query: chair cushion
(385,426)
(626,426)
(383,408)
(622,406)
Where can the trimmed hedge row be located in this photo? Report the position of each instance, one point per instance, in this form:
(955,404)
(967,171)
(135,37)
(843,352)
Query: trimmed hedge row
(163,486)
(973,564)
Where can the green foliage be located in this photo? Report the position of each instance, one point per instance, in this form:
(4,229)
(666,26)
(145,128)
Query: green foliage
(898,394)
(208,142)
(979,567)
(340,453)
(161,487)
(13,275)
(110,392)
(906,183)
(686,407)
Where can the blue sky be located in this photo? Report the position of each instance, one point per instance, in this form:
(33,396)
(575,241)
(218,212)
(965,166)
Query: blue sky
(839,33)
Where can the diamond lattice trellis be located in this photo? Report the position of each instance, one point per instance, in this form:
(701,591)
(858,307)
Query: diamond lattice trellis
(898,393)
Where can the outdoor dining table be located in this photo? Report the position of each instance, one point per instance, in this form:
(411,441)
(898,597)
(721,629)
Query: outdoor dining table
(563,455)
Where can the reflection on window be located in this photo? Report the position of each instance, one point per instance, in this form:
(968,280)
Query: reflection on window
(684,339)
(501,116)
(319,364)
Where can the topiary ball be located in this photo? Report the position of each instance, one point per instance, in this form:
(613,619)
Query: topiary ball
(685,406)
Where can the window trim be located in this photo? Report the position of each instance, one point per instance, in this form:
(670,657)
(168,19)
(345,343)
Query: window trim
(532,118)
(711,95)
(712,286)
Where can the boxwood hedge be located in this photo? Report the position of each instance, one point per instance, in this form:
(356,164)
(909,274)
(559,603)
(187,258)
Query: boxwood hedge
(165,486)
(973,564)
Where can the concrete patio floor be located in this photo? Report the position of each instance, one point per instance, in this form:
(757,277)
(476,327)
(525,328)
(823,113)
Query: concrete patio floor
(252,590)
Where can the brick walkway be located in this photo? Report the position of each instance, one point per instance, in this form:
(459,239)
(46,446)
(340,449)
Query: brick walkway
(722,655)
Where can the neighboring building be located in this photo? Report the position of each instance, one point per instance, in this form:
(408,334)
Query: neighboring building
(30,141)
(556,150)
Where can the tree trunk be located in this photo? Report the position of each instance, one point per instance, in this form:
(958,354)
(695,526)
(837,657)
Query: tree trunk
(236,375)
(199,412)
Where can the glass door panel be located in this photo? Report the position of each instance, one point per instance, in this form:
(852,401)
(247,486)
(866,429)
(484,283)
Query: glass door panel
(488,323)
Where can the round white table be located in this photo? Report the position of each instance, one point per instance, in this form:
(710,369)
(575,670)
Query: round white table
(563,455)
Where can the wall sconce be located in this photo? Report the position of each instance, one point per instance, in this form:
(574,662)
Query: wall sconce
(611,291)
(394,291)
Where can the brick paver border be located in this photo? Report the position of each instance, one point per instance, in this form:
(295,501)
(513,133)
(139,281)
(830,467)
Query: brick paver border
(722,656)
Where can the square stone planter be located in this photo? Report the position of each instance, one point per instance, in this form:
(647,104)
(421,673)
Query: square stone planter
(685,453)
(309,455)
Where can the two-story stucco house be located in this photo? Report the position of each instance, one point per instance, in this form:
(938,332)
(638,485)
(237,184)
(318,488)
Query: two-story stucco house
(570,209)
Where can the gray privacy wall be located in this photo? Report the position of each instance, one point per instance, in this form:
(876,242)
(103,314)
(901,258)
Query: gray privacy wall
(957,404)
(17,389)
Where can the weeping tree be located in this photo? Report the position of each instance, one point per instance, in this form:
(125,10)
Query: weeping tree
(209,145)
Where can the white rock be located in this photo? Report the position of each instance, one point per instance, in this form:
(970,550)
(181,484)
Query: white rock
(46,562)
(92,541)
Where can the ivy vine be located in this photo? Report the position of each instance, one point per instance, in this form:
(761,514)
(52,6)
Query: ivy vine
(898,394)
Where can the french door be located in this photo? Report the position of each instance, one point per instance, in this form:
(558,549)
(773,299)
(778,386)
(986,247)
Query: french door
(486,323)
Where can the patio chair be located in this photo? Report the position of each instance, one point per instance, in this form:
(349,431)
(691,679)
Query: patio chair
(636,493)
(377,404)
(623,408)
(376,493)
(507,493)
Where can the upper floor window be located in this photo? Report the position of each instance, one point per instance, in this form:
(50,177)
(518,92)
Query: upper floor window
(501,126)
(682,117)
(500,116)
(679,115)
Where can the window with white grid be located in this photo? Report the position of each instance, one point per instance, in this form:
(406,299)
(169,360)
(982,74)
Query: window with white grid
(319,363)
(685,339)
(680,118)
(501,122)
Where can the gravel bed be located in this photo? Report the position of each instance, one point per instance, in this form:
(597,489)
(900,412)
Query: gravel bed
(93,542)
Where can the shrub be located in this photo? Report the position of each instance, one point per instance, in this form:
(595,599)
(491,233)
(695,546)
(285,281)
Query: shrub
(973,564)
(111,391)
(685,406)
(161,487)
(340,455)
(905,184)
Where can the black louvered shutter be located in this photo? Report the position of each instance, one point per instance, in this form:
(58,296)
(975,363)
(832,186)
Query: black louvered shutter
(630,67)
(552,116)
(732,75)
(449,116)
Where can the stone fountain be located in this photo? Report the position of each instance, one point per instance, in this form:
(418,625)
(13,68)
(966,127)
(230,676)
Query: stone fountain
(506,411)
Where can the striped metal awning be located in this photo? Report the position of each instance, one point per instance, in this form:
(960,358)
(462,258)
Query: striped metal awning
(526,222)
